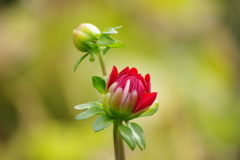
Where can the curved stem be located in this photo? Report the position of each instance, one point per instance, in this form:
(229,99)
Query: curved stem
(102,63)
(118,142)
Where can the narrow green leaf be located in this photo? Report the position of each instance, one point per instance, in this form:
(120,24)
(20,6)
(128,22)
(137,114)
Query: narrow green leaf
(116,45)
(153,109)
(88,105)
(127,136)
(102,122)
(79,61)
(109,30)
(117,27)
(89,113)
(99,83)
(105,40)
(138,135)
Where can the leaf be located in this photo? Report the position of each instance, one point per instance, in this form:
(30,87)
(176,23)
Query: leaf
(138,135)
(153,109)
(106,40)
(79,61)
(127,136)
(102,122)
(109,30)
(88,105)
(117,27)
(116,45)
(99,83)
(89,113)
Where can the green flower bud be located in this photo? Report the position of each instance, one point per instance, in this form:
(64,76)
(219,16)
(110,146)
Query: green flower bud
(84,33)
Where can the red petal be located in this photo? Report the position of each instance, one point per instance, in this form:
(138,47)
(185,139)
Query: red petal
(147,78)
(133,71)
(112,76)
(148,83)
(124,71)
(142,80)
(146,100)
(148,87)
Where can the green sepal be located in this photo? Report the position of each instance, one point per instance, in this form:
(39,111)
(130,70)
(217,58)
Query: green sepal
(79,61)
(138,135)
(102,122)
(153,109)
(105,40)
(89,113)
(99,83)
(89,105)
(127,136)
(93,47)
(91,59)
(105,104)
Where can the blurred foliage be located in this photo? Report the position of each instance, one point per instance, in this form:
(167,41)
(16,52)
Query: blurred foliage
(190,48)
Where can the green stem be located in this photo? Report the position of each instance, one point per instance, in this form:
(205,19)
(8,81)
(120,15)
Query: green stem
(102,63)
(118,142)
(117,139)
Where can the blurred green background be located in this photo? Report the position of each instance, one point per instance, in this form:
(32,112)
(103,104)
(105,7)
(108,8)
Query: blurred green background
(191,48)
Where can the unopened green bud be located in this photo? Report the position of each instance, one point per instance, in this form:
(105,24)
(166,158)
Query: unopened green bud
(84,33)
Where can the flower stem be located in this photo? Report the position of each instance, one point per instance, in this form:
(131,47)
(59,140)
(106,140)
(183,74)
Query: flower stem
(118,142)
(102,63)
(117,139)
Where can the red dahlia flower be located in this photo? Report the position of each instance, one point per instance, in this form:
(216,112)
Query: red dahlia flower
(128,94)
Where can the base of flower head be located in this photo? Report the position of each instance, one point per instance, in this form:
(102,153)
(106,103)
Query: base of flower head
(131,133)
